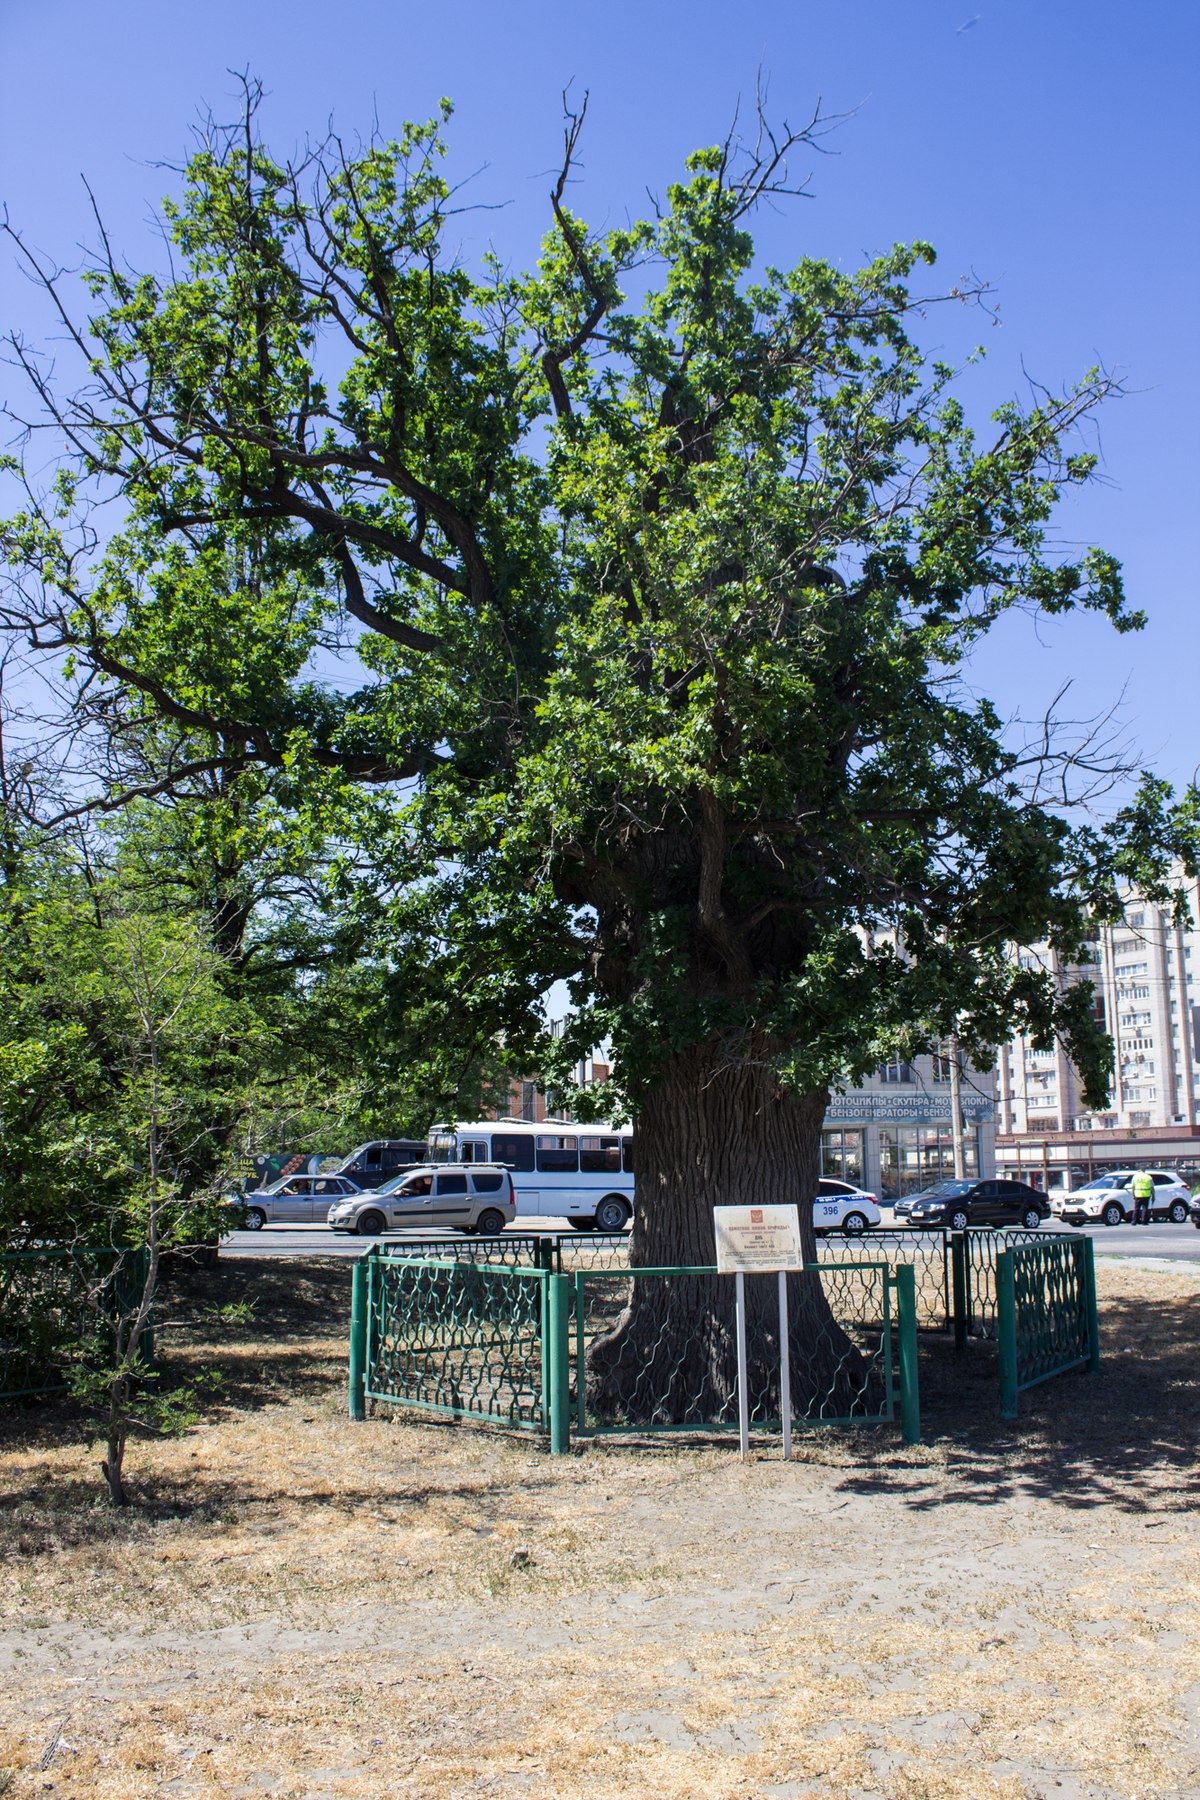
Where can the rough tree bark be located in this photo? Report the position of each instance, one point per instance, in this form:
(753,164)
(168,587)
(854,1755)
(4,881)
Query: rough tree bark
(718,1132)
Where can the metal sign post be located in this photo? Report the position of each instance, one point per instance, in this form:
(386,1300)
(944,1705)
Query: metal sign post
(743,1382)
(759,1240)
(785,1369)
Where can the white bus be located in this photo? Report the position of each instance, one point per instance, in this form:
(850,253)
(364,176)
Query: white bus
(582,1173)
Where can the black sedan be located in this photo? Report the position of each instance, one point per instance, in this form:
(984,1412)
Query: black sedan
(963,1204)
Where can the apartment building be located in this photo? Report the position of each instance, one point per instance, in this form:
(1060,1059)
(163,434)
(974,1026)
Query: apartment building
(1144,974)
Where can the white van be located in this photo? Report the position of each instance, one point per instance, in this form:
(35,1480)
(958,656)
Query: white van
(581,1173)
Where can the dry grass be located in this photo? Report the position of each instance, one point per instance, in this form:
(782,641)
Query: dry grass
(304,1607)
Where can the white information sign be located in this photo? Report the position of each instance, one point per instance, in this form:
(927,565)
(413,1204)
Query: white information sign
(755,1240)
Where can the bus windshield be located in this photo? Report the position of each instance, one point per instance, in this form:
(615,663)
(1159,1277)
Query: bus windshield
(443,1146)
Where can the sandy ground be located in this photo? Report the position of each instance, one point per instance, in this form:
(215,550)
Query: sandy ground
(303,1607)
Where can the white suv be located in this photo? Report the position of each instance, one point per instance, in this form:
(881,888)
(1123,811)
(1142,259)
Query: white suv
(840,1206)
(1108,1199)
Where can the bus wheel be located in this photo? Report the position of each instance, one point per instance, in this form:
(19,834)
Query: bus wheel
(582,1224)
(612,1214)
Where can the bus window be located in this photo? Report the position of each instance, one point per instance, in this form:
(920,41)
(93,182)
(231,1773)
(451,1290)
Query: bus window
(627,1154)
(443,1146)
(516,1152)
(600,1155)
(474,1150)
(557,1155)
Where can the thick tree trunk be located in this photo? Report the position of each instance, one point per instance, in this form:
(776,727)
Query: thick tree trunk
(710,1134)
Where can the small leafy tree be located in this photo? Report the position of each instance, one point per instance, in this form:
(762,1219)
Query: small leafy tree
(658,611)
(172,1023)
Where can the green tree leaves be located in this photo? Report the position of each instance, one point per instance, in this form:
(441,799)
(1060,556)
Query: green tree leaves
(648,617)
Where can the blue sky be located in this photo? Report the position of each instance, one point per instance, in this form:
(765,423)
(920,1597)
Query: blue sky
(1050,148)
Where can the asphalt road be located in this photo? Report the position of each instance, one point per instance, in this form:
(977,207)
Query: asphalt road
(1173,1243)
(318,1240)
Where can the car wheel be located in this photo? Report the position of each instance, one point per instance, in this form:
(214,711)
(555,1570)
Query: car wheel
(854,1224)
(1113,1214)
(370,1223)
(612,1214)
(490,1222)
(256,1218)
(959,1219)
(1031,1218)
(1178,1212)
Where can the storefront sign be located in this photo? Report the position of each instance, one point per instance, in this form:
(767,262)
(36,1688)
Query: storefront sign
(881,1108)
(755,1240)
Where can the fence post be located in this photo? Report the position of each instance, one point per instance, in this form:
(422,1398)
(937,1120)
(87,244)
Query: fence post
(559,1321)
(1006,1332)
(580,1354)
(906,1319)
(358,1337)
(1093,1311)
(959,1280)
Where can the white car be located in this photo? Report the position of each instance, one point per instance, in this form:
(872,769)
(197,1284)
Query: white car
(839,1206)
(1107,1199)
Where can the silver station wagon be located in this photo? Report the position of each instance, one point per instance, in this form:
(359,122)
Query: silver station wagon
(296,1200)
(475,1197)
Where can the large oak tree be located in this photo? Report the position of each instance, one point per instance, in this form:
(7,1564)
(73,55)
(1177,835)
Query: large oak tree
(651,616)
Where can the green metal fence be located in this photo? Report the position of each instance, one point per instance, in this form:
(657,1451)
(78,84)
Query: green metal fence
(508,1249)
(975,1255)
(55,1305)
(458,1337)
(1047,1318)
(507,1329)
(843,1374)
(955,1271)
(926,1252)
(511,1345)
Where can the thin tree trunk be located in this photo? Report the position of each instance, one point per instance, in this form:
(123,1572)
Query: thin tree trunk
(720,1133)
(114,1463)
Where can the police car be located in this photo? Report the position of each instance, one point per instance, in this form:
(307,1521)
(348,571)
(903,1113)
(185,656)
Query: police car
(840,1206)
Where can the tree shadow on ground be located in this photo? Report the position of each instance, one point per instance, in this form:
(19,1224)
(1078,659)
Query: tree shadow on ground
(294,1345)
(1126,1437)
(294,1342)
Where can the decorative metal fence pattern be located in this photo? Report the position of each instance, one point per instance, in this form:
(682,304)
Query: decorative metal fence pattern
(592,1250)
(928,1253)
(479,1329)
(511,1345)
(844,1373)
(1046,1314)
(507,1250)
(54,1305)
(975,1307)
(459,1337)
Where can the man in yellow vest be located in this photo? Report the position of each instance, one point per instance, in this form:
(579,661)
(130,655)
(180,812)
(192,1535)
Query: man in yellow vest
(1142,1190)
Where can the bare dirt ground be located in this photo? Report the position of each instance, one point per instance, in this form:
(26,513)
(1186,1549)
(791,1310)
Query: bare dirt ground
(302,1607)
